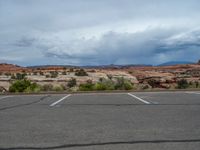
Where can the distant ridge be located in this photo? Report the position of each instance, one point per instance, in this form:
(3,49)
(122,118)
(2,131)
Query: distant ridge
(173,63)
(92,66)
(45,66)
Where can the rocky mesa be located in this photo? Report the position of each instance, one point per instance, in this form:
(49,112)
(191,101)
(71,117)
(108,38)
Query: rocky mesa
(140,77)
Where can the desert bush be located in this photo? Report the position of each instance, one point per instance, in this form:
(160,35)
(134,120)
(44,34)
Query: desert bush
(130,72)
(54,74)
(64,73)
(104,84)
(47,87)
(100,86)
(81,72)
(12,76)
(64,86)
(23,86)
(182,84)
(153,83)
(128,85)
(7,74)
(41,73)
(145,86)
(123,84)
(88,86)
(101,79)
(196,84)
(57,88)
(47,76)
(71,82)
(19,76)
(92,71)
(71,70)
(33,88)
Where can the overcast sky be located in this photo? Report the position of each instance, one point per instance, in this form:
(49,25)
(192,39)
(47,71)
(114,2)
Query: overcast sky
(99,32)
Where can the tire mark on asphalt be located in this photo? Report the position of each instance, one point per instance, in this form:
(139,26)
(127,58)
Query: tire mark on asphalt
(103,144)
(26,104)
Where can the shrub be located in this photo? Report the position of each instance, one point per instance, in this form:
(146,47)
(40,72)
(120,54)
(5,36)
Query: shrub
(33,88)
(57,88)
(54,74)
(41,73)
(104,84)
(100,86)
(12,76)
(89,86)
(7,74)
(71,70)
(123,84)
(23,86)
(64,86)
(196,84)
(153,83)
(101,79)
(47,87)
(18,76)
(47,76)
(71,82)
(128,85)
(130,72)
(64,73)
(182,84)
(81,72)
(145,86)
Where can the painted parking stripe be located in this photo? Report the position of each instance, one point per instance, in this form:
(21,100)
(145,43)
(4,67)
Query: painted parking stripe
(5,97)
(60,100)
(192,92)
(144,101)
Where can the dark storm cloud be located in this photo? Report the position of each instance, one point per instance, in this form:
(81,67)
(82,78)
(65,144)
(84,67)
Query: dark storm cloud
(99,32)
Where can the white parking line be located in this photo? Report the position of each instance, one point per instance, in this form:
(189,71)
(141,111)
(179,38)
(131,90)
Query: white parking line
(146,102)
(55,103)
(5,97)
(192,92)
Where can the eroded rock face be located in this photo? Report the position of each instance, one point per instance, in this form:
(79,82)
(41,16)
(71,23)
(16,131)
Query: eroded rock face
(10,68)
(120,73)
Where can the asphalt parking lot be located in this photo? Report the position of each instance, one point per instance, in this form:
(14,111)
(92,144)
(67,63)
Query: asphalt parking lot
(101,121)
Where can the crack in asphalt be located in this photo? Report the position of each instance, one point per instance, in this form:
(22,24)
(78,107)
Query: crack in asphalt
(103,144)
(26,104)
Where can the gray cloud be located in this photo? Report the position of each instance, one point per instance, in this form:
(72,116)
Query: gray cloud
(149,46)
(99,32)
